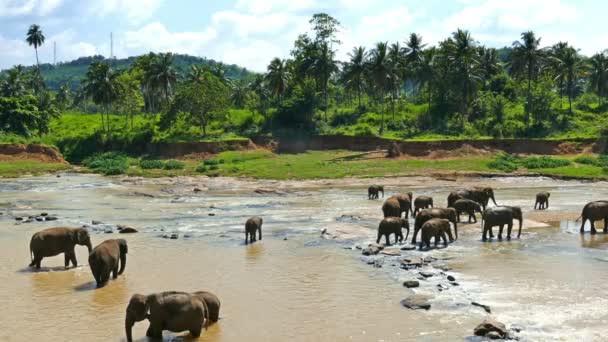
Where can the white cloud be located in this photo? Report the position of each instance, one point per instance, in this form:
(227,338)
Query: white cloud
(12,8)
(135,11)
(267,6)
(156,37)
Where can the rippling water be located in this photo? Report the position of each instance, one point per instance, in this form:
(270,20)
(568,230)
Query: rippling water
(293,285)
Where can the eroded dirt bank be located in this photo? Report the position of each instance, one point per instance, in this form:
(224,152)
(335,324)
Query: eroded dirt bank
(46,154)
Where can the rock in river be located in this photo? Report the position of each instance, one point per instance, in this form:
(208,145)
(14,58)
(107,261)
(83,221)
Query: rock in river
(411,283)
(491,328)
(416,302)
(128,230)
(372,249)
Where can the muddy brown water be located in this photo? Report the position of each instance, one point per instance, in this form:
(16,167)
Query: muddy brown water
(295,285)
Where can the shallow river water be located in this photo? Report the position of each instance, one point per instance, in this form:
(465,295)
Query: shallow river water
(295,284)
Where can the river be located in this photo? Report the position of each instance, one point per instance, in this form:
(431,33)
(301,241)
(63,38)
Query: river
(295,284)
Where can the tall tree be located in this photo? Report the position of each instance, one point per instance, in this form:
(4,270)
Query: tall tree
(556,56)
(102,87)
(413,56)
(325,27)
(35,38)
(162,74)
(526,60)
(598,75)
(14,85)
(277,77)
(239,93)
(396,65)
(462,52)
(354,70)
(379,73)
(571,67)
(258,86)
(426,72)
(489,64)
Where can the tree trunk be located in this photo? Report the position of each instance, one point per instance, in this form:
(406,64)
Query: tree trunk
(527,117)
(103,125)
(382,122)
(204,126)
(37,62)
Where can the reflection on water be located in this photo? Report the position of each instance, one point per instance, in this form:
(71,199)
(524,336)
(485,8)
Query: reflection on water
(303,288)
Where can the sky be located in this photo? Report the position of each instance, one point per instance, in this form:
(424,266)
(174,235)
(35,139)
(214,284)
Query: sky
(252,32)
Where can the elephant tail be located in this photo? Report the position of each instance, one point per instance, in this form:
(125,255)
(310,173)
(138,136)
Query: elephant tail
(579,218)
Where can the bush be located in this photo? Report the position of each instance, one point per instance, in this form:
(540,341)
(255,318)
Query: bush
(202,168)
(174,165)
(151,164)
(213,167)
(505,163)
(212,162)
(108,163)
(586,160)
(544,162)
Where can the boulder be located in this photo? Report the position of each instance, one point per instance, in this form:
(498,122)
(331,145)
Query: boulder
(391,252)
(108,231)
(128,230)
(451,278)
(39,218)
(491,328)
(411,262)
(197,190)
(95,222)
(44,214)
(211,214)
(371,250)
(50,218)
(416,302)
(411,283)
(426,274)
(264,191)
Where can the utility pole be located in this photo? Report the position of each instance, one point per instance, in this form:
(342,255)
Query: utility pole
(111,45)
(55,53)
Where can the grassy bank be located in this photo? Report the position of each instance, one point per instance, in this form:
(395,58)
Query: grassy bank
(20,168)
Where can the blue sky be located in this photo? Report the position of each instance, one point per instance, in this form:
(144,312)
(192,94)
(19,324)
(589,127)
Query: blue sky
(251,32)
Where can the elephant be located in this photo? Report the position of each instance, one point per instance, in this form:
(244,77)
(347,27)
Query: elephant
(479,195)
(500,216)
(54,241)
(373,190)
(437,228)
(427,214)
(253,225)
(104,259)
(422,202)
(467,206)
(393,225)
(172,310)
(213,304)
(542,200)
(395,205)
(594,211)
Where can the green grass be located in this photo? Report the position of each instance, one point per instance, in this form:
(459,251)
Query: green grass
(19,168)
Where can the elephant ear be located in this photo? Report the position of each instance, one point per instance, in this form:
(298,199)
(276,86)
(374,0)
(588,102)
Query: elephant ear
(81,235)
(122,244)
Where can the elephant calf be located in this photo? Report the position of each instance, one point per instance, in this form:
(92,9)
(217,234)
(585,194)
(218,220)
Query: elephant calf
(213,304)
(467,206)
(104,259)
(542,200)
(437,228)
(54,241)
(253,225)
(373,190)
(427,214)
(500,216)
(422,202)
(173,311)
(594,211)
(393,225)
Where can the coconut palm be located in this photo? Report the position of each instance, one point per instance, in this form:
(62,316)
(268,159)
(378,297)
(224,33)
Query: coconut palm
(239,93)
(195,74)
(162,75)
(278,77)
(570,67)
(526,60)
(258,87)
(102,87)
(323,67)
(489,64)
(15,83)
(354,70)
(426,72)
(379,73)
(462,53)
(554,64)
(413,56)
(396,64)
(35,38)
(598,75)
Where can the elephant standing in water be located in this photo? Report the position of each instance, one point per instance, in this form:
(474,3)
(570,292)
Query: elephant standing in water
(213,304)
(500,216)
(422,202)
(427,214)
(467,206)
(393,225)
(252,226)
(594,211)
(373,190)
(173,311)
(395,205)
(542,200)
(479,195)
(104,259)
(54,241)
(437,228)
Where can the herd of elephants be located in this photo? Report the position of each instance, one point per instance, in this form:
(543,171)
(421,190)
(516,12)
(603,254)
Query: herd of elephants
(181,311)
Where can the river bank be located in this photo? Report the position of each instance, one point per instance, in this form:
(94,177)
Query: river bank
(298,283)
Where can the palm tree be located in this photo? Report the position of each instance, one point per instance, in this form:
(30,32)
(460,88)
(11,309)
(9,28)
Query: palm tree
(323,67)
(162,75)
(413,56)
(354,70)
(379,73)
(526,59)
(570,67)
(462,52)
(488,64)
(277,77)
(102,87)
(35,38)
(258,87)
(196,74)
(598,75)
(396,64)
(15,83)
(239,93)
(554,64)
(426,72)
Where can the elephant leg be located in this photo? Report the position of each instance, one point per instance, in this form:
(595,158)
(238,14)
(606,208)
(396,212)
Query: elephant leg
(260,233)
(509,228)
(484,234)
(66,257)
(196,331)
(583,225)
(115,272)
(36,262)
(387,238)
(414,235)
(73,258)
(379,237)
(502,226)
(154,331)
(547,203)
(606,224)
(535,204)
(246,237)
(593,231)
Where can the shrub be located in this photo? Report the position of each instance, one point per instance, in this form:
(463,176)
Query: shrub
(174,165)
(211,162)
(587,160)
(108,163)
(202,168)
(544,162)
(213,167)
(505,163)
(151,164)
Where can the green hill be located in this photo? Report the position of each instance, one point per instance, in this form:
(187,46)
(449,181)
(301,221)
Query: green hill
(74,71)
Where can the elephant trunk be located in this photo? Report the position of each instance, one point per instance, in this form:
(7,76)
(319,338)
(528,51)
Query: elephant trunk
(123,262)
(89,246)
(493,200)
(129,323)
(520,224)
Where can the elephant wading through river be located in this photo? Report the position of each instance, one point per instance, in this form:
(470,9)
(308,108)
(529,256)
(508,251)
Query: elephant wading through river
(104,259)
(54,241)
(500,216)
(437,228)
(253,225)
(427,214)
(173,311)
(467,206)
(422,202)
(542,200)
(395,205)
(373,190)
(594,211)
(393,225)
(479,195)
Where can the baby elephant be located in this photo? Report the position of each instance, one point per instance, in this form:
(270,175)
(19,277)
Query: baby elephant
(542,200)
(213,304)
(373,190)
(393,225)
(467,206)
(437,228)
(253,225)
(422,202)
(104,259)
